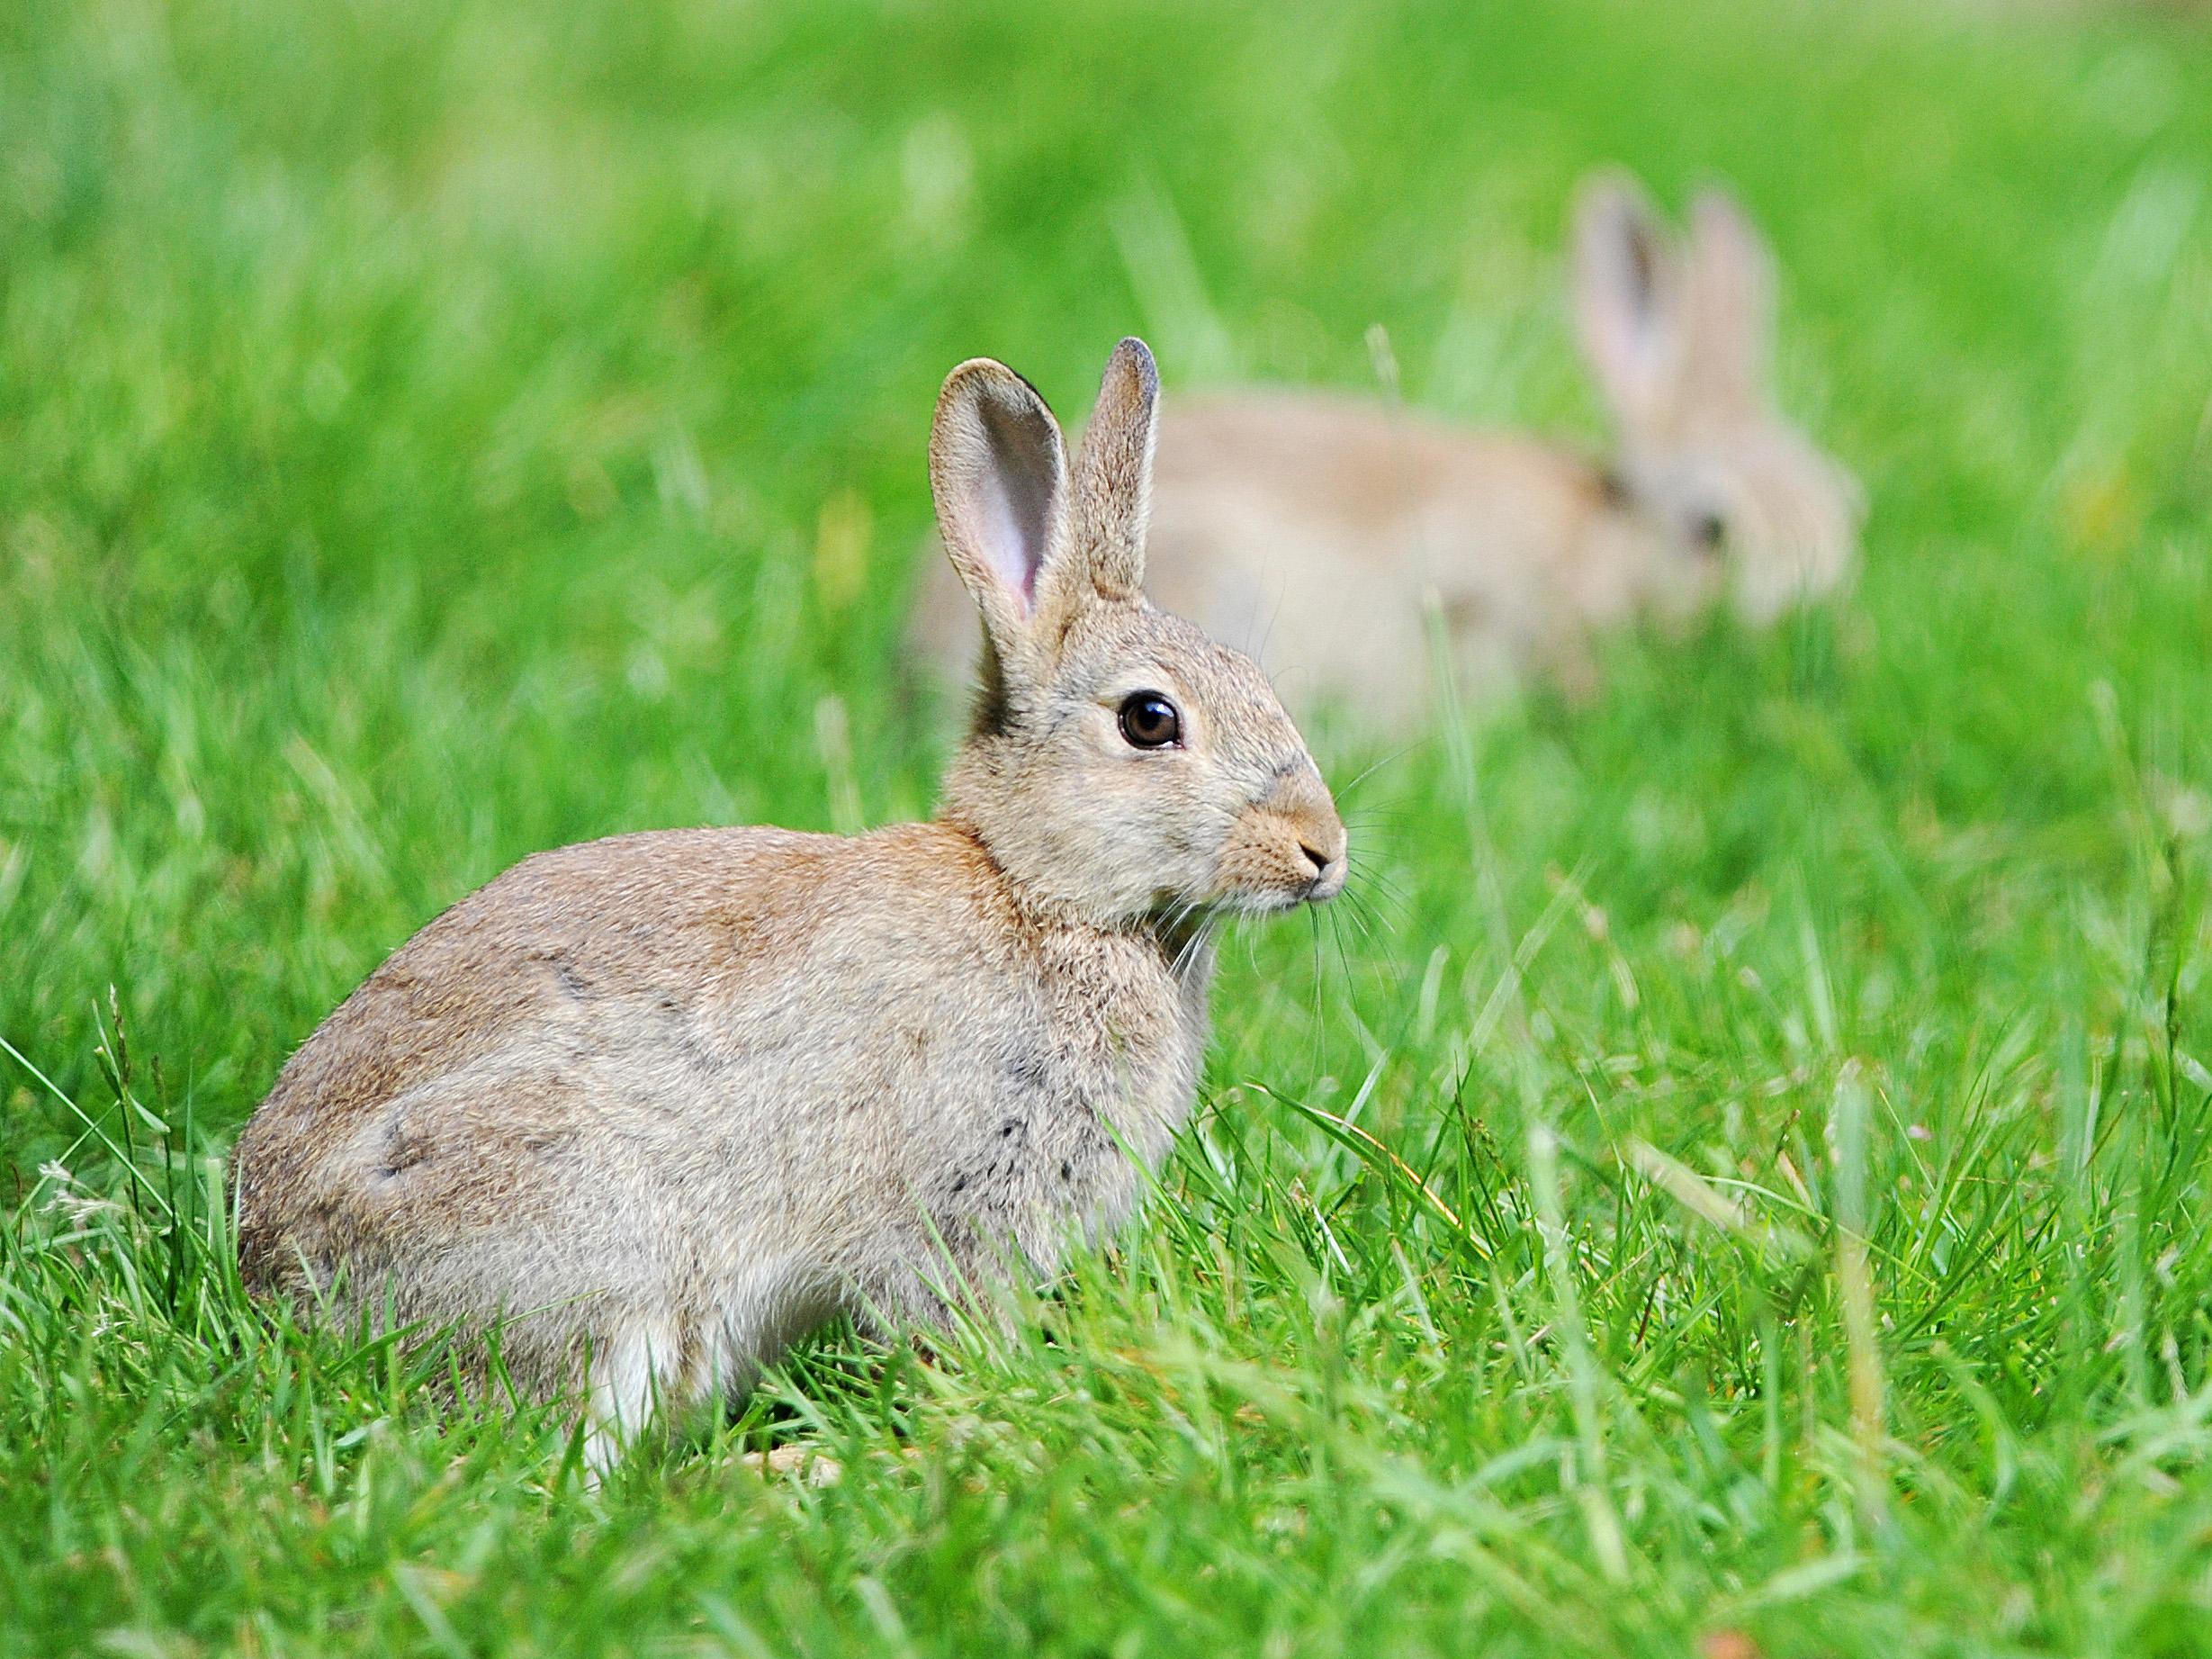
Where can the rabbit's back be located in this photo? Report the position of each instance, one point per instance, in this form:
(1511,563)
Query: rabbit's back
(583,952)
(1335,537)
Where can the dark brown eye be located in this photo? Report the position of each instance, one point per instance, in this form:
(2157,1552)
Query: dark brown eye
(1149,721)
(1708,530)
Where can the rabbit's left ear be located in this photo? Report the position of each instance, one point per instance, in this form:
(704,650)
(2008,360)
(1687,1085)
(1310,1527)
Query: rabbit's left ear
(1625,281)
(1728,302)
(999,473)
(1113,474)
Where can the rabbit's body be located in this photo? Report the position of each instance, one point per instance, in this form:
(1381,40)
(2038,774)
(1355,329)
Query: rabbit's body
(658,1104)
(1355,547)
(1274,510)
(628,1029)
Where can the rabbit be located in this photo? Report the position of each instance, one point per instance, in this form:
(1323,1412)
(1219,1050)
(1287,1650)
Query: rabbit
(659,1105)
(1341,541)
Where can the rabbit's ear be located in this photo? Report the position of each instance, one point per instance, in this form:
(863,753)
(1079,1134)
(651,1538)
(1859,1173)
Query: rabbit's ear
(1624,297)
(1113,473)
(999,472)
(1729,308)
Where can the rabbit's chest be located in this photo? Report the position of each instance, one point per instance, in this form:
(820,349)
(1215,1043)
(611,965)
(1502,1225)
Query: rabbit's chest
(1061,1137)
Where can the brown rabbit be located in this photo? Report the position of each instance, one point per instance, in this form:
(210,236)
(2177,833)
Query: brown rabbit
(663,1103)
(1340,540)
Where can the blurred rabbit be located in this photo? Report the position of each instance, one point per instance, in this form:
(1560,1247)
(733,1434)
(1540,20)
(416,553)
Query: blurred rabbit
(1340,540)
(664,1103)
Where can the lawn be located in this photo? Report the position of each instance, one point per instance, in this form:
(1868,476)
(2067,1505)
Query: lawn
(1776,1217)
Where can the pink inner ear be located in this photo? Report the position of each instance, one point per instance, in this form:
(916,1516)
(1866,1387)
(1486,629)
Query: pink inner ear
(1010,520)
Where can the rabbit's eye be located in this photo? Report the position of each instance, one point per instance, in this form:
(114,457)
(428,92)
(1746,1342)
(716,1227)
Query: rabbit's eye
(1708,531)
(1149,721)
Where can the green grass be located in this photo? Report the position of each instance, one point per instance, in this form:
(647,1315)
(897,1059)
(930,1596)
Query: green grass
(418,425)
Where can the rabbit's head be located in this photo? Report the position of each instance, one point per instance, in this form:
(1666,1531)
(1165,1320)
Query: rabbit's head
(1678,332)
(1122,767)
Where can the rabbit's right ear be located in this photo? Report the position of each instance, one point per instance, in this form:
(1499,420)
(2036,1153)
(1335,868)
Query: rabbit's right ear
(1728,302)
(999,471)
(1113,472)
(1625,285)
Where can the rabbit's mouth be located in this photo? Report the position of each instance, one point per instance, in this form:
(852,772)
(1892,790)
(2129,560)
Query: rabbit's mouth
(1288,849)
(1323,886)
(1328,882)
(1316,877)
(1265,874)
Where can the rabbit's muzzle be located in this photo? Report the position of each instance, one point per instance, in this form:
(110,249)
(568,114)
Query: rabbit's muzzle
(1287,847)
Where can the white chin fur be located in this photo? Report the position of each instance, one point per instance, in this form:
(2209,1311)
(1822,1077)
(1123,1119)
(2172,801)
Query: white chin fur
(1272,901)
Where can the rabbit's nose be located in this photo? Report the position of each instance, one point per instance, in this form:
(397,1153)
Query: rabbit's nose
(1329,872)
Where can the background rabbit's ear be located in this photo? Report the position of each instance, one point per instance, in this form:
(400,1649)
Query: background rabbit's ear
(1113,473)
(1728,308)
(1625,281)
(998,470)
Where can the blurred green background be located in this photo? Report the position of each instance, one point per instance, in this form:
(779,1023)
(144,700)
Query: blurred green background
(430,433)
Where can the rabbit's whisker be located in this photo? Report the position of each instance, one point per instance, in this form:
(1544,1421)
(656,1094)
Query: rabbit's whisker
(1390,759)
